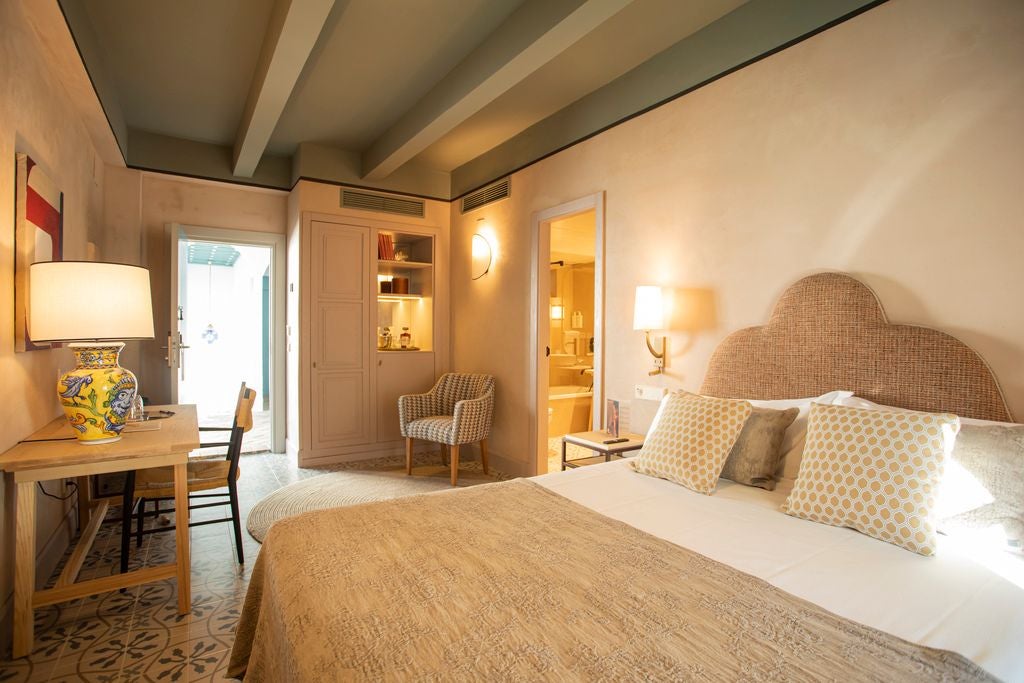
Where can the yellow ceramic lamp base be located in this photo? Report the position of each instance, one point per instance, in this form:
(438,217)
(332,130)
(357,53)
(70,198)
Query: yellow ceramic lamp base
(98,393)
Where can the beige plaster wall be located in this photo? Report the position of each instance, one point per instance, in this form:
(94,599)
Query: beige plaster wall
(890,147)
(38,117)
(138,205)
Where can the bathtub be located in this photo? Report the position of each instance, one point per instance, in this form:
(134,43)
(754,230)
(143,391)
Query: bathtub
(569,409)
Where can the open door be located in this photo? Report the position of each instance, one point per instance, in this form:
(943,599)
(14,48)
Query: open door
(576,350)
(226,326)
(175,346)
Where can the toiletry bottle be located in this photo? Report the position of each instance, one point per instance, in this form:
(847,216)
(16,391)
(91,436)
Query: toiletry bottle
(405,339)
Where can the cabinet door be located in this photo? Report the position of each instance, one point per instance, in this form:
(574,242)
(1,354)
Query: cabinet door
(398,372)
(340,386)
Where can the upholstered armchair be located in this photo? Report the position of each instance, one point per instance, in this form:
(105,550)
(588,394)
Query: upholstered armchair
(458,410)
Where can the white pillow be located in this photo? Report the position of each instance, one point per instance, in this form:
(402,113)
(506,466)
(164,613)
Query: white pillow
(859,402)
(793,443)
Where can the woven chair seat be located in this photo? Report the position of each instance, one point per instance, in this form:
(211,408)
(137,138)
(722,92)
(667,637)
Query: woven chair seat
(203,475)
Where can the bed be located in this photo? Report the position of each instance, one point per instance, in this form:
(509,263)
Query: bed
(601,573)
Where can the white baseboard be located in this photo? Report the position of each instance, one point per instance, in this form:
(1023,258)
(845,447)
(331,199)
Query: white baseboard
(350,454)
(507,466)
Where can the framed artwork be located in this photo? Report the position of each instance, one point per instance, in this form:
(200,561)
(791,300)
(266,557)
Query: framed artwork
(38,236)
(611,417)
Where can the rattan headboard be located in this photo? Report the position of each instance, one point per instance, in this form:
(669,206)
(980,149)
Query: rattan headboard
(828,331)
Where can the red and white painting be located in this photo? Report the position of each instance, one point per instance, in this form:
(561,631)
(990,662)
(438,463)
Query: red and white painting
(38,236)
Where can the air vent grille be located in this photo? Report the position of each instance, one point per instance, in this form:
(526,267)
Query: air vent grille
(491,193)
(367,201)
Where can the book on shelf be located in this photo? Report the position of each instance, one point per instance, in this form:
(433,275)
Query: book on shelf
(385,247)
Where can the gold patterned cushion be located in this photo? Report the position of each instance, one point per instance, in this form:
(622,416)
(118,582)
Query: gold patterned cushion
(690,438)
(876,471)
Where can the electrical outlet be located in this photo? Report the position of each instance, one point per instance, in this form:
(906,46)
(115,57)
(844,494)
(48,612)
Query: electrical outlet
(648,392)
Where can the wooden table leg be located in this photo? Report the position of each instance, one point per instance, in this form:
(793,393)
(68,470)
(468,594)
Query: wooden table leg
(182,537)
(24,566)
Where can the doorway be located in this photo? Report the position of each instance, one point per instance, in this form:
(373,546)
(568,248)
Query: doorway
(567,360)
(227,310)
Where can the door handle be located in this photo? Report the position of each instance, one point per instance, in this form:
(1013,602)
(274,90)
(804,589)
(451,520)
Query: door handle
(173,349)
(170,345)
(547,351)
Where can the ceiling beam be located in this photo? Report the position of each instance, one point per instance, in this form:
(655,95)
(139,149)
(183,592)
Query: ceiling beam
(531,37)
(294,28)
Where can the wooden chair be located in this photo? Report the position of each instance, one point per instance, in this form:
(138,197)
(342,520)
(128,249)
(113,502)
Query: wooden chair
(458,410)
(156,485)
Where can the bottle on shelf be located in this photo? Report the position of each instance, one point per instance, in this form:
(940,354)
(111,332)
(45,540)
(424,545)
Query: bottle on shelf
(405,339)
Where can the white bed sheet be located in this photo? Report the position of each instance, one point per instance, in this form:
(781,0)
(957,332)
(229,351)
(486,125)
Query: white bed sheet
(965,599)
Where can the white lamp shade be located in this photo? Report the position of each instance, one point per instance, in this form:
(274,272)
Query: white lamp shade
(482,254)
(88,301)
(649,309)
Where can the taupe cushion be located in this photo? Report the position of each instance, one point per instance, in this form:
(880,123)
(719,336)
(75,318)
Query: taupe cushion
(984,483)
(755,455)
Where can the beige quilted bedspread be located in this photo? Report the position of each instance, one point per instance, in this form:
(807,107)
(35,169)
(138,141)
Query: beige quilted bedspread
(510,581)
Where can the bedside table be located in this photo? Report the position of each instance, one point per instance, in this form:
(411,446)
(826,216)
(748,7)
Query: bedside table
(594,441)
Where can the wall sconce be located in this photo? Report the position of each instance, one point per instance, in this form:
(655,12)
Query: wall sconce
(649,314)
(483,255)
(557,309)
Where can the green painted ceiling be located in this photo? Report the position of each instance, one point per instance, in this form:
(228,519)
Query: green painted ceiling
(430,98)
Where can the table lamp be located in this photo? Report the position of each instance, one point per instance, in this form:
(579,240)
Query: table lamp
(97,306)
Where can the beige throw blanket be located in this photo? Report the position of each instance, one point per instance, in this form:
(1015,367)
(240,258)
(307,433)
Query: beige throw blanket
(510,581)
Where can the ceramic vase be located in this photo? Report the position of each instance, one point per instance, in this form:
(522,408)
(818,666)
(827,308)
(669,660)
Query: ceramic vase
(98,393)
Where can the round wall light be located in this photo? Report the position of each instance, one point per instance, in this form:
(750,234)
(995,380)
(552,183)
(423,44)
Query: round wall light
(482,255)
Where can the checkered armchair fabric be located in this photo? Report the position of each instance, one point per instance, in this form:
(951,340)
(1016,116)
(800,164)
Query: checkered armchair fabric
(458,410)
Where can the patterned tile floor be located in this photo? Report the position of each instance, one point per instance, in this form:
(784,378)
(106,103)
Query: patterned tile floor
(136,634)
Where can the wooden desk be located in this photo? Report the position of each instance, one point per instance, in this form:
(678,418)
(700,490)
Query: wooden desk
(53,453)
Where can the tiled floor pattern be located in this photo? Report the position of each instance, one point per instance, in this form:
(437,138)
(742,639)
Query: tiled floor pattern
(136,634)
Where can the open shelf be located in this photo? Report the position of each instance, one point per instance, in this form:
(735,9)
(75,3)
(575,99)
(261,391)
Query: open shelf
(413,309)
(388,265)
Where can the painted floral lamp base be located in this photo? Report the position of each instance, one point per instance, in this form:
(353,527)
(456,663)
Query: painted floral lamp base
(98,393)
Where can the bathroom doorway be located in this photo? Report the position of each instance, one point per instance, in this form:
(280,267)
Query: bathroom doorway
(569,289)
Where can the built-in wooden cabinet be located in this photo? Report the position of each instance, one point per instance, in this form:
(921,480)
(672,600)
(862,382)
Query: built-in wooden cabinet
(353,383)
(340,360)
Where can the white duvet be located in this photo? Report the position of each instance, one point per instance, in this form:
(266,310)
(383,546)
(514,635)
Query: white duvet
(966,599)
